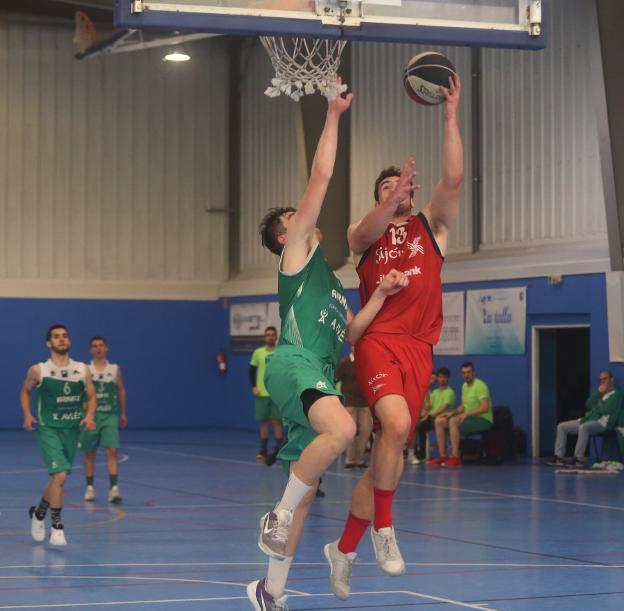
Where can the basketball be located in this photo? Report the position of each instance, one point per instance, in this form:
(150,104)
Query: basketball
(423,76)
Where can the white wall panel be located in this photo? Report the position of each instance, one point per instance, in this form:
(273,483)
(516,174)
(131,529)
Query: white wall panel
(542,179)
(387,128)
(272,171)
(107,166)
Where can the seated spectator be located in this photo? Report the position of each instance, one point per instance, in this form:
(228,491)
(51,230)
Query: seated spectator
(437,402)
(356,405)
(603,412)
(416,443)
(474,415)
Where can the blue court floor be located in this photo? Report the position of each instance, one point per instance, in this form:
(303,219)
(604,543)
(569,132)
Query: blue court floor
(510,538)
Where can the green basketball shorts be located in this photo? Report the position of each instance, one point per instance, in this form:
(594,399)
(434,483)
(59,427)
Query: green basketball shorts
(58,447)
(265,409)
(105,435)
(291,371)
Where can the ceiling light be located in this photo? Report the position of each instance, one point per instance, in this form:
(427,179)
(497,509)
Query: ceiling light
(176,56)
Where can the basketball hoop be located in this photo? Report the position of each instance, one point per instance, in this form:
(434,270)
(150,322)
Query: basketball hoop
(303,66)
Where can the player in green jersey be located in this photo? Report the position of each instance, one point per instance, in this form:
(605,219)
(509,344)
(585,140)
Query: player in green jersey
(300,373)
(63,385)
(110,393)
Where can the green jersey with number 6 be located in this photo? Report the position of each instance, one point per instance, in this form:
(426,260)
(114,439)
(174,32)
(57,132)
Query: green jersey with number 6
(313,308)
(61,393)
(105,383)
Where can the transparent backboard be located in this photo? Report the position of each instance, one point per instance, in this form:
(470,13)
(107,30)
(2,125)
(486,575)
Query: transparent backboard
(485,23)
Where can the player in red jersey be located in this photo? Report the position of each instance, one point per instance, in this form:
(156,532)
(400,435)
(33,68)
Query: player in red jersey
(394,357)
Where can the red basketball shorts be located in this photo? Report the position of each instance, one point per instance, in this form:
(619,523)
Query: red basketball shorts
(388,364)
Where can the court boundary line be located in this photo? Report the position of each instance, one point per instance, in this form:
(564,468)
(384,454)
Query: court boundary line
(457,603)
(524,497)
(520,565)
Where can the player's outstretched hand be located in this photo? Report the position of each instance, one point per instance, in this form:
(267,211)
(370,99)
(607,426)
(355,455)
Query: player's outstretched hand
(452,95)
(405,185)
(88,423)
(340,103)
(29,423)
(393,282)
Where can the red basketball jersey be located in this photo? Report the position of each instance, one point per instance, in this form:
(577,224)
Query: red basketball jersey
(417,309)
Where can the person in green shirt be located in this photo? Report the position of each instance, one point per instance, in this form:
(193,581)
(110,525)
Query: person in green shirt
(441,401)
(62,385)
(603,413)
(300,373)
(472,416)
(265,409)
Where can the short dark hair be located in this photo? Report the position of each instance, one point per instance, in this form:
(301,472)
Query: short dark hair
(96,338)
(270,328)
(445,371)
(271,227)
(387,173)
(468,364)
(52,328)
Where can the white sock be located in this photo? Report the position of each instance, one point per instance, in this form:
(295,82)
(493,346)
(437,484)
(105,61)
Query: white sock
(294,493)
(277,576)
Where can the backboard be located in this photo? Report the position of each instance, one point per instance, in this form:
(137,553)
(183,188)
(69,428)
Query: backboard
(483,23)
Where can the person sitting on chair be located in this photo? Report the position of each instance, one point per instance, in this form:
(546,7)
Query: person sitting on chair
(603,410)
(474,415)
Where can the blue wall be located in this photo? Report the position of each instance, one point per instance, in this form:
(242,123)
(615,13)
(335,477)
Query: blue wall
(168,349)
(579,300)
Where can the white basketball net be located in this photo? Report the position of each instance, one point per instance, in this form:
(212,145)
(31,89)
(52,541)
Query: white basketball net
(303,66)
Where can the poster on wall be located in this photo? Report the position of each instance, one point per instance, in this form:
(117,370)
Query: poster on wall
(496,321)
(248,322)
(452,337)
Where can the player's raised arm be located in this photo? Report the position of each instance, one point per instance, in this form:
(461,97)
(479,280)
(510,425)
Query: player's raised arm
(369,229)
(32,379)
(444,206)
(392,283)
(303,223)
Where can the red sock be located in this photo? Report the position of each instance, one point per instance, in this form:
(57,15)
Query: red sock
(383,508)
(352,534)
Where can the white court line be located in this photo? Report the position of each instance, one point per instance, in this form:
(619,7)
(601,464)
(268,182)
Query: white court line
(515,565)
(124,602)
(403,483)
(448,601)
(213,582)
(222,598)
(120,459)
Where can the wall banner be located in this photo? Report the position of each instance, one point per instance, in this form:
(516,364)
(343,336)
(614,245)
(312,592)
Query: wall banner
(452,337)
(248,322)
(496,321)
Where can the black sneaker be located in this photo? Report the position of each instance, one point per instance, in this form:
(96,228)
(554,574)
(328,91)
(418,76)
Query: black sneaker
(270,458)
(350,465)
(261,455)
(555,461)
(319,493)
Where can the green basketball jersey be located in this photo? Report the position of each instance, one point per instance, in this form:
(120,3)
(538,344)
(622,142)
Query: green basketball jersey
(61,394)
(105,383)
(313,308)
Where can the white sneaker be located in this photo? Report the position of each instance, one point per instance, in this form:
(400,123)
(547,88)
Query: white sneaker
(340,566)
(411,457)
(89,494)
(37,527)
(114,496)
(57,536)
(387,551)
(274,532)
